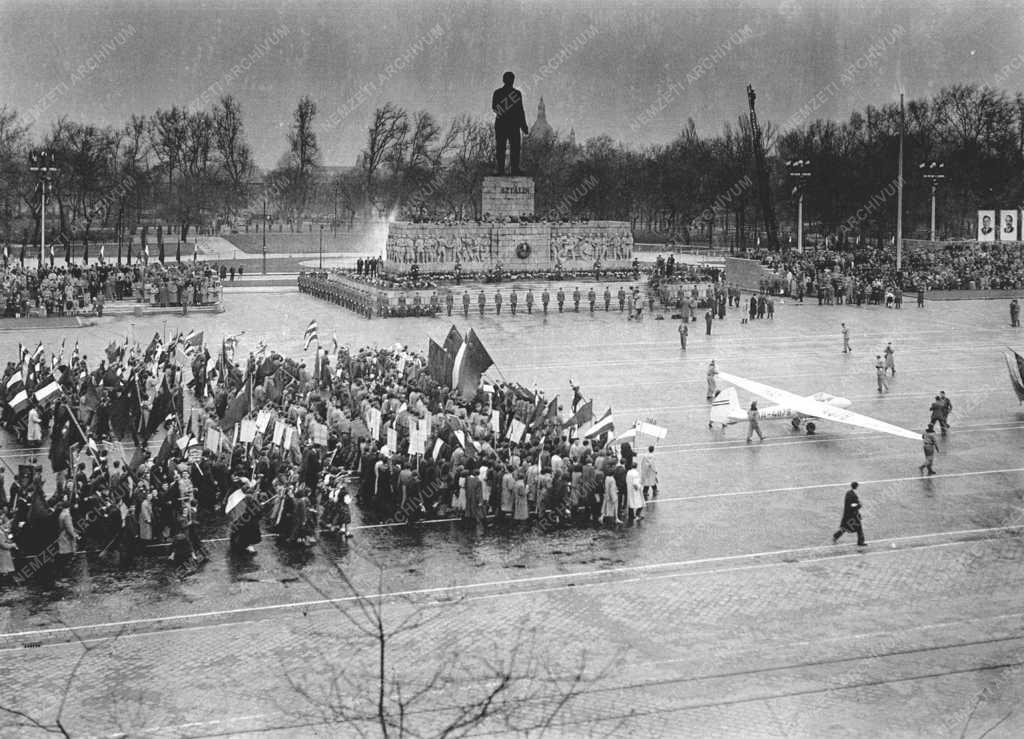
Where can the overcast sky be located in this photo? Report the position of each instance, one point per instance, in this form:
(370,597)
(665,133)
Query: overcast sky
(599,65)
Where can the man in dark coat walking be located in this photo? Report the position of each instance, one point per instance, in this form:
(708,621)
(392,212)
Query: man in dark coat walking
(850,522)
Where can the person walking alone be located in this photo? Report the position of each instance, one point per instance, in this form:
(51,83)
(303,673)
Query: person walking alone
(850,522)
(648,473)
(684,331)
(880,373)
(930,446)
(890,359)
(712,371)
(846,339)
(753,424)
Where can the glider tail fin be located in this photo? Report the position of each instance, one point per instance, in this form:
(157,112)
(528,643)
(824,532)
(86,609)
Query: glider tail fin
(1014,365)
(725,407)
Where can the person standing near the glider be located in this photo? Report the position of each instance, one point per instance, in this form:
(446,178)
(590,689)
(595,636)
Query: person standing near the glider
(851,522)
(753,424)
(712,371)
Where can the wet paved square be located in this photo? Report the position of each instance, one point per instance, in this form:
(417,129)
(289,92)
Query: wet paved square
(726,612)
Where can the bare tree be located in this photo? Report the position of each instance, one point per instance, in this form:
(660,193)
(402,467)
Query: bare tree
(14,145)
(459,693)
(235,155)
(385,140)
(22,718)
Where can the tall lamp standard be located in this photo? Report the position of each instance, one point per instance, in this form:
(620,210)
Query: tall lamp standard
(42,162)
(800,170)
(935,172)
(321,247)
(264,235)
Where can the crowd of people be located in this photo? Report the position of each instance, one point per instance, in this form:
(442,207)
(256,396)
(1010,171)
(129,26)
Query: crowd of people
(272,444)
(871,270)
(75,289)
(447,219)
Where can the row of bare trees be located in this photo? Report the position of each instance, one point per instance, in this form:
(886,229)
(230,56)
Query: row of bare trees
(195,167)
(179,167)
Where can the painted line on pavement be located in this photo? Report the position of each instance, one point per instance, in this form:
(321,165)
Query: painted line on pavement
(746,568)
(805,439)
(506,582)
(816,486)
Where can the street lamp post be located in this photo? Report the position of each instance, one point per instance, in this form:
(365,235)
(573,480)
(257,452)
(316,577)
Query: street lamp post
(264,235)
(800,170)
(321,247)
(42,162)
(934,171)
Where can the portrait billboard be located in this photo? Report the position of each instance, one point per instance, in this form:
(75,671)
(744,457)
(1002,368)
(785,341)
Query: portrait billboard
(1008,224)
(986,225)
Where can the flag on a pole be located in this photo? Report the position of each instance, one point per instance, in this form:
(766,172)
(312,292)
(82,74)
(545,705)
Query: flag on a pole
(48,391)
(437,361)
(38,352)
(551,415)
(19,403)
(452,343)
(15,383)
(583,414)
(238,408)
(192,342)
(603,425)
(471,362)
(310,336)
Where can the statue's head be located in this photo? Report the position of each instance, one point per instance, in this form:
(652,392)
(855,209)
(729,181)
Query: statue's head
(508,78)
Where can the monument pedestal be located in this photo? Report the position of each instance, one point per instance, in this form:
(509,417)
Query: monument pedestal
(507,196)
(503,239)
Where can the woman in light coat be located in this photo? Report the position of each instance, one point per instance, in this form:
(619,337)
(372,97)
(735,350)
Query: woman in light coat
(634,494)
(648,472)
(7,547)
(67,537)
(146,519)
(521,511)
(34,427)
(610,503)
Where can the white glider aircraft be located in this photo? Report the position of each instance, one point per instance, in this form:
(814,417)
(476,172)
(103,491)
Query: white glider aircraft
(726,409)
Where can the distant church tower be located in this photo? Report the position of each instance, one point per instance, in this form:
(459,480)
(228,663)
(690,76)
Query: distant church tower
(541,128)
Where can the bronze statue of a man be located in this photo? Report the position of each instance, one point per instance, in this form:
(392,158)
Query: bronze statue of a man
(509,120)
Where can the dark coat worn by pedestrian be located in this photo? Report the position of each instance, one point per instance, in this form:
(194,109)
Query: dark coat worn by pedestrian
(851,512)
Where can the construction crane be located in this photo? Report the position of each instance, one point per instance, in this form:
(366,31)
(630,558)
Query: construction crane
(764,189)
